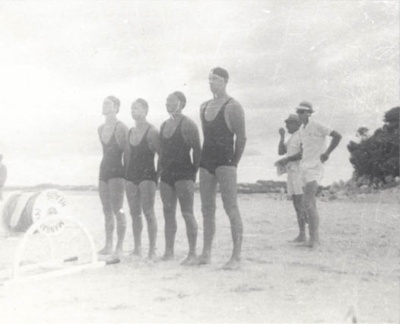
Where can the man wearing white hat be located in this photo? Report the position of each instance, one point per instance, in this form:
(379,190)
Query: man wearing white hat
(314,155)
(292,148)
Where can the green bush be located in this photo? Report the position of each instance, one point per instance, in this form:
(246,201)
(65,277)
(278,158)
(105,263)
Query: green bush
(376,157)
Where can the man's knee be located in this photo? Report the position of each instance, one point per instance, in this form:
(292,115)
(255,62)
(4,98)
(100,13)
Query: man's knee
(149,215)
(110,224)
(121,219)
(107,210)
(169,206)
(231,209)
(298,200)
(208,208)
(117,208)
(188,216)
(136,216)
(236,221)
(309,203)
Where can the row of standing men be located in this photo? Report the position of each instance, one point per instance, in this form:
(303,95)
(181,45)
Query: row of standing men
(128,164)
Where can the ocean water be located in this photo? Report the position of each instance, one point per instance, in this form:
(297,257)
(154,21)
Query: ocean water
(83,170)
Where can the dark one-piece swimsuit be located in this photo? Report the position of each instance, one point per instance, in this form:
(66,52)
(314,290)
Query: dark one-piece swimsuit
(176,162)
(218,141)
(141,164)
(111,165)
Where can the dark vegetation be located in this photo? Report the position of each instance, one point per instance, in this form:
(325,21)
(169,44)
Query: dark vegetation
(375,158)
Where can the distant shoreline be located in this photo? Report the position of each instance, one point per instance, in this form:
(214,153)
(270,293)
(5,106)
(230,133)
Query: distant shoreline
(272,189)
(260,186)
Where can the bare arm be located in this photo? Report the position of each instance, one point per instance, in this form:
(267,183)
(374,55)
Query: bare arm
(127,152)
(190,133)
(202,108)
(99,131)
(234,115)
(3,175)
(292,158)
(121,135)
(336,138)
(159,166)
(153,138)
(282,146)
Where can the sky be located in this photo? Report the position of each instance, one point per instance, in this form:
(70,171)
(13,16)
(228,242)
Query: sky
(60,59)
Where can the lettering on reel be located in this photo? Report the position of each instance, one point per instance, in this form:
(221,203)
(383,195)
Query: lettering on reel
(48,204)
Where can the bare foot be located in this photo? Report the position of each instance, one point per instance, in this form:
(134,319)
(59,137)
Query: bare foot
(299,239)
(189,261)
(118,253)
(232,264)
(313,244)
(136,253)
(150,261)
(152,256)
(106,250)
(113,260)
(202,259)
(167,257)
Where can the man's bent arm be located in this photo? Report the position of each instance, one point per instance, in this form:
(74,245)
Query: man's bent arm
(237,122)
(192,138)
(153,138)
(336,138)
(282,146)
(121,135)
(291,158)
(3,175)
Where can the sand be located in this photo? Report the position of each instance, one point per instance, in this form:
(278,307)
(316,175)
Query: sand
(356,268)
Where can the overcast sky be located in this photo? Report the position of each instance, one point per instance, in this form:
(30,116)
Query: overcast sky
(59,59)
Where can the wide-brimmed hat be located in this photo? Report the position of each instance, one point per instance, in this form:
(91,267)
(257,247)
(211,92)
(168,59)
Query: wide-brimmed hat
(305,106)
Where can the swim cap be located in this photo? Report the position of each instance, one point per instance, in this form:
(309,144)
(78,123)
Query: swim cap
(221,72)
(181,97)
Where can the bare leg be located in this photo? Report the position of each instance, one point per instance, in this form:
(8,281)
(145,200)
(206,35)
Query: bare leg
(298,206)
(169,200)
(147,196)
(208,192)
(109,217)
(117,187)
(133,197)
(227,183)
(185,192)
(310,192)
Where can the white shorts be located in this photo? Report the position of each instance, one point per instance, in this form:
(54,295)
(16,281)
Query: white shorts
(310,174)
(294,183)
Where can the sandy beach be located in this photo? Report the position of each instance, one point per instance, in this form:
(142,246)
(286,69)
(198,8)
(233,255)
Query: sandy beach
(356,269)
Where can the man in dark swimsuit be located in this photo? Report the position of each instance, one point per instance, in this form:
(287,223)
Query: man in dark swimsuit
(112,135)
(179,136)
(224,131)
(141,175)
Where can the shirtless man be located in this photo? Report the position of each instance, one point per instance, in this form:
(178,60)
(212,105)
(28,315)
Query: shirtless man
(111,179)
(179,162)
(141,175)
(314,154)
(223,124)
(292,164)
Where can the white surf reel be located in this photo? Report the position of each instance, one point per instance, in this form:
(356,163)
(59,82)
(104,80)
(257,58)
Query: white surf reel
(53,243)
